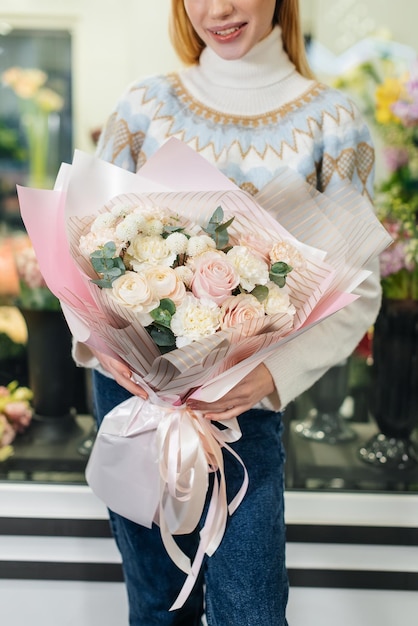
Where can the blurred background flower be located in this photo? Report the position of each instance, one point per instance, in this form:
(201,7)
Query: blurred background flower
(387,92)
(15,415)
(33,294)
(37,103)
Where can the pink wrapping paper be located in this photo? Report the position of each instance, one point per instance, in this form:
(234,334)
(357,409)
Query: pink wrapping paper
(152,459)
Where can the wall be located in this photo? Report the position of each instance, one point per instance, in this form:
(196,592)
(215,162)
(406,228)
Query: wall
(115,41)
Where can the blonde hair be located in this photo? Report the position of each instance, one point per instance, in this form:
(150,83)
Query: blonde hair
(188,45)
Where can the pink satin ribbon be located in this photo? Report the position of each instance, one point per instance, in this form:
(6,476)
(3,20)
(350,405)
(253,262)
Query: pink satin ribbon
(190,448)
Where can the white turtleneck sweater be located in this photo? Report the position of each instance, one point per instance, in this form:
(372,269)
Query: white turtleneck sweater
(249,118)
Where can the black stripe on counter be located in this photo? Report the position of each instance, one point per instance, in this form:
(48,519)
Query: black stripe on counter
(112,572)
(296,533)
(35,570)
(363,535)
(354,579)
(54,527)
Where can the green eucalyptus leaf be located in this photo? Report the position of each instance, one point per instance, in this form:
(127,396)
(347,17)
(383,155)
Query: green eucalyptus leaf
(107,265)
(163,337)
(217,215)
(224,225)
(260,292)
(164,312)
(278,273)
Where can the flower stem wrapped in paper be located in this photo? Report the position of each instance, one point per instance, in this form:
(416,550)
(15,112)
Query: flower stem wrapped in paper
(191,282)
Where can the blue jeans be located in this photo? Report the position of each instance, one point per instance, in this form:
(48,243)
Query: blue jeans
(245,580)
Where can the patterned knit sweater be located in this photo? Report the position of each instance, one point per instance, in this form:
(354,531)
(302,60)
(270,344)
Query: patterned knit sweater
(249,118)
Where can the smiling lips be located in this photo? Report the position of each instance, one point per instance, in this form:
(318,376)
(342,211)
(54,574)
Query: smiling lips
(227,33)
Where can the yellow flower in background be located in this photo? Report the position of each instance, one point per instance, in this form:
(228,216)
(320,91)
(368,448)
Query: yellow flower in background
(48,100)
(387,93)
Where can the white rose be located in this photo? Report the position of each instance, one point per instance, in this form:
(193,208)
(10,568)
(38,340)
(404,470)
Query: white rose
(252,270)
(164,283)
(278,300)
(194,319)
(132,292)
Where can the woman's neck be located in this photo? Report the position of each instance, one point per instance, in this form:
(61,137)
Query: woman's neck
(249,86)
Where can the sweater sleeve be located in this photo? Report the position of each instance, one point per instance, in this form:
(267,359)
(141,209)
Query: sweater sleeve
(124,132)
(347,153)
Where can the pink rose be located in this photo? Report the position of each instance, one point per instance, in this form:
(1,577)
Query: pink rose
(240,309)
(214,277)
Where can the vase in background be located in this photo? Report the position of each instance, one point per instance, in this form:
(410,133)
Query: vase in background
(37,131)
(394,387)
(51,374)
(325,422)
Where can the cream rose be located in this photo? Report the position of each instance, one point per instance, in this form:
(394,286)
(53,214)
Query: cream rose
(164,283)
(239,309)
(251,269)
(194,319)
(132,291)
(214,277)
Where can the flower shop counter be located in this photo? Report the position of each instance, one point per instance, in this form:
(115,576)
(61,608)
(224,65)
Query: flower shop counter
(352,557)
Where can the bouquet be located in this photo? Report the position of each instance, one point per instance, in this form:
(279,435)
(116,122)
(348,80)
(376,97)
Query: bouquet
(172,310)
(185,282)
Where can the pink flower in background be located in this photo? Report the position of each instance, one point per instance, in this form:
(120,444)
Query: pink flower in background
(15,415)
(393,259)
(33,291)
(395,158)
(28,269)
(19,415)
(406,108)
(7,432)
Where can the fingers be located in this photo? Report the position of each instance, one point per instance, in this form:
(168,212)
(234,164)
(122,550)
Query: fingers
(122,375)
(125,380)
(243,397)
(217,411)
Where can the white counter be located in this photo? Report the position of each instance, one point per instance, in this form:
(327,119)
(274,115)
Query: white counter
(352,558)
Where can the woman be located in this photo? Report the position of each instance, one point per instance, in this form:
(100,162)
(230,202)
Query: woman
(249,104)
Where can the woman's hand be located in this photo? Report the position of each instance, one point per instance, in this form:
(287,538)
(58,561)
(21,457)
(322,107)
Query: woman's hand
(121,373)
(243,397)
